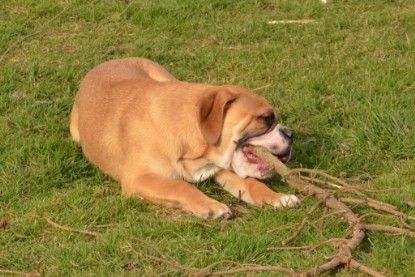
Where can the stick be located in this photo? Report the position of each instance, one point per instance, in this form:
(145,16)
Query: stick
(303,223)
(6,271)
(309,247)
(30,35)
(365,269)
(85,232)
(300,21)
(390,229)
(343,256)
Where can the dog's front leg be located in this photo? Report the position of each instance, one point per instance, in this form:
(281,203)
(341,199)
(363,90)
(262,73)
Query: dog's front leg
(174,193)
(253,191)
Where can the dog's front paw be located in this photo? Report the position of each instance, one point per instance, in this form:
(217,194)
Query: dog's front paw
(211,209)
(287,201)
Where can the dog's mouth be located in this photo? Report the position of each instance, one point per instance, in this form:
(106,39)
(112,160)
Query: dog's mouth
(246,163)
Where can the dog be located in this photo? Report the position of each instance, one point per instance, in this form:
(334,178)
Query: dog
(154,134)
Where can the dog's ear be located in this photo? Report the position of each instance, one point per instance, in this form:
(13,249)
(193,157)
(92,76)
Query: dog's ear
(212,108)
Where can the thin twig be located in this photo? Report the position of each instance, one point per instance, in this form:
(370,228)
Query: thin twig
(27,274)
(365,269)
(363,217)
(390,229)
(30,35)
(66,228)
(318,173)
(252,268)
(172,263)
(259,88)
(321,219)
(309,247)
(320,182)
(382,190)
(110,225)
(206,271)
(301,21)
(303,223)
(408,202)
(374,204)
(283,227)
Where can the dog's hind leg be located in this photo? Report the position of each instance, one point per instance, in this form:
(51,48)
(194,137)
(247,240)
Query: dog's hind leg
(174,193)
(74,123)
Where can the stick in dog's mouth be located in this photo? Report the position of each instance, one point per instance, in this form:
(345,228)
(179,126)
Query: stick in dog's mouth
(248,150)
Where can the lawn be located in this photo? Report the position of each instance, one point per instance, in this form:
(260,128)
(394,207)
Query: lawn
(344,84)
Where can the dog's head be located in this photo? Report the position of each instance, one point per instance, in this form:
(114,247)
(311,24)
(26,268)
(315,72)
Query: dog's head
(231,119)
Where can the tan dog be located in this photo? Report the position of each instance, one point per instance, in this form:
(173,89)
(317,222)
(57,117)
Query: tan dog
(153,134)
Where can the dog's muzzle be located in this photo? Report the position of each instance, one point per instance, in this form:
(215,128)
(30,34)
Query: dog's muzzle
(277,141)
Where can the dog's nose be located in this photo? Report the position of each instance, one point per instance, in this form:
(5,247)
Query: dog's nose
(287,133)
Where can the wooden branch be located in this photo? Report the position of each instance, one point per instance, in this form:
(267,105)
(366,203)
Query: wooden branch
(343,256)
(70,229)
(355,232)
(390,229)
(374,204)
(365,269)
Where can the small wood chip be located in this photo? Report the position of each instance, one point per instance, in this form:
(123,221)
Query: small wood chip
(3,223)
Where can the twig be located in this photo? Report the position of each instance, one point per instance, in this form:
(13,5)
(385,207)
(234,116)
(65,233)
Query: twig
(110,225)
(321,219)
(301,21)
(383,190)
(409,203)
(172,263)
(206,271)
(30,35)
(303,223)
(318,173)
(283,227)
(390,229)
(252,268)
(85,232)
(363,217)
(309,247)
(320,182)
(365,269)
(27,274)
(374,204)
(259,88)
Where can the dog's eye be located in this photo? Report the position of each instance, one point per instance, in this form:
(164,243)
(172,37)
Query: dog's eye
(268,119)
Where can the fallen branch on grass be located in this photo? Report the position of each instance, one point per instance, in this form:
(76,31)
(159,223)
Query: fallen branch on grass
(70,229)
(310,185)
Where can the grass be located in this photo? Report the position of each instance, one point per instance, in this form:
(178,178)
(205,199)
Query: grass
(345,85)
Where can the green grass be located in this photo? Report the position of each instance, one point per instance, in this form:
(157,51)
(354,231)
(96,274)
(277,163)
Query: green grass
(345,85)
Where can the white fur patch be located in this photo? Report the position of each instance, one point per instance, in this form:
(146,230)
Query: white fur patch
(205,173)
(287,201)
